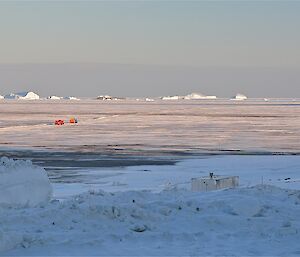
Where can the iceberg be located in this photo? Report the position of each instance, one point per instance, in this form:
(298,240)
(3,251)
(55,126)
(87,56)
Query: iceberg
(175,97)
(11,96)
(239,97)
(71,98)
(23,96)
(192,96)
(104,97)
(109,98)
(54,97)
(197,96)
(149,100)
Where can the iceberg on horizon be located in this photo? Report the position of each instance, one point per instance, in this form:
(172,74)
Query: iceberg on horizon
(149,100)
(175,97)
(239,97)
(197,96)
(192,96)
(29,95)
(104,97)
(109,98)
(54,97)
(71,98)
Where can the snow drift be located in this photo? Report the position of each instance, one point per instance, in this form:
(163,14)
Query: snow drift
(23,184)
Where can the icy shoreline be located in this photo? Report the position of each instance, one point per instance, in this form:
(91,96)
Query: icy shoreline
(150,210)
(279,170)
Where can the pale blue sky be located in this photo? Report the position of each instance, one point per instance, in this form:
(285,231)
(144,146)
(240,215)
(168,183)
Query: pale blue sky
(152,35)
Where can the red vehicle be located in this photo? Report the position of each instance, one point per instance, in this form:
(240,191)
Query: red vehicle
(59,122)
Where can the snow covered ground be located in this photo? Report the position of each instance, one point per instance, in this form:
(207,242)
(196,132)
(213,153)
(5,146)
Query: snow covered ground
(261,220)
(150,210)
(107,202)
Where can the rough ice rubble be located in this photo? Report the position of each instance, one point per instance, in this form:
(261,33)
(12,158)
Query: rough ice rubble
(22,183)
(261,220)
(9,240)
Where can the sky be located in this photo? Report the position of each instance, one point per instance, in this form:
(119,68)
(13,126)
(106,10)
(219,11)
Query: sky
(139,48)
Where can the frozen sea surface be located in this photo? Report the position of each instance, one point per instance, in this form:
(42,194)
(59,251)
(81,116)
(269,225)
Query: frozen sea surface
(152,127)
(125,145)
(130,145)
(121,178)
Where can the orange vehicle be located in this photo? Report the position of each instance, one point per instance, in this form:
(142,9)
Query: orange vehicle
(59,122)
(73,120)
